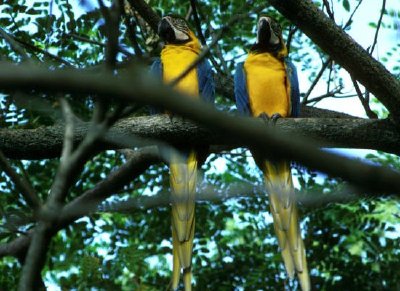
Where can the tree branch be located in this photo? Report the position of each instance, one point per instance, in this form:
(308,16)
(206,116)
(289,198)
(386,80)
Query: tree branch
(21,184)
(144,89)
(46,142)
(88,201)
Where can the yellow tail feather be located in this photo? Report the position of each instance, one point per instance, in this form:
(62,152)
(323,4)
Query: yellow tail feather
(183,175)
(187,279)
(279,183)
(176,266)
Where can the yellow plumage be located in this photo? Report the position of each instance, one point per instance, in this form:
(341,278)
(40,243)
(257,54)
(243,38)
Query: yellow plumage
(269,92)
(183,170)
(267,85)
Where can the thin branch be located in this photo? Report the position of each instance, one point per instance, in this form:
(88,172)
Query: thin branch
(44,52)
(333,93)
(292,30)
(314,83)
(128,172)
(22,184)
(378,27)
(363,100)
(14,45)
(131,31)
(328,10)
(111,16)
(350,20)
(197,24)
(139,161)
(96,42)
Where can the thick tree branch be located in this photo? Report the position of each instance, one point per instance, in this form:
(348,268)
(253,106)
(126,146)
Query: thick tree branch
(344,50)
(46,142)
(146,12)
(144,89)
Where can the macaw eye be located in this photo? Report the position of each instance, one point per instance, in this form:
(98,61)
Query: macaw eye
(275,27)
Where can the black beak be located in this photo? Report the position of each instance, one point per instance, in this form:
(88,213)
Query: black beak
(165,31)
(264,31)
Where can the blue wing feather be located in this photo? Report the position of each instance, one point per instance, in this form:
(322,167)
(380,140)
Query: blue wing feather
(205,77)
(241,94)
(294,88)
(156,70)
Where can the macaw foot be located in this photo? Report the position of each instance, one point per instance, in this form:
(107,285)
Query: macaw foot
(275,117)
(264,116)
(171,116)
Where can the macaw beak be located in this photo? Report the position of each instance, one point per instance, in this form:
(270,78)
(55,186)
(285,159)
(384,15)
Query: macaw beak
(165,31)
(264,31)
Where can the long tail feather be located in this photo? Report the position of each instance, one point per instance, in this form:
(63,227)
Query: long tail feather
(183,175)
(176,266)
(187,279)
(279,183)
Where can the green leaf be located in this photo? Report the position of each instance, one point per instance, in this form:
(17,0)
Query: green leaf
(346,5)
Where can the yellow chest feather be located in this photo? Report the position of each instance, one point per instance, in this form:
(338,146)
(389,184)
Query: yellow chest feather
(175,60)
(267,85)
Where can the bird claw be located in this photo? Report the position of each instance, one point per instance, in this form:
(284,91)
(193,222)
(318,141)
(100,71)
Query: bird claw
(171,117)
(264,116)
(275,117)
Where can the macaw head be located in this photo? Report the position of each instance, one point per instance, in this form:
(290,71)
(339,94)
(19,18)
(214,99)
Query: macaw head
(174,29)
(269,36)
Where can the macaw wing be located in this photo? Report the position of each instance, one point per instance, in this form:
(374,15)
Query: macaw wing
(205,76)
(156,70)
(241,94)
(294,88)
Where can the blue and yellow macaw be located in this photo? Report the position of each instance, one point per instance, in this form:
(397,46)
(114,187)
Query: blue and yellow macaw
(181,49)
(266,85)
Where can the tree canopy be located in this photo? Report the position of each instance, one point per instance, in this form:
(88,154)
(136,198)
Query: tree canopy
(84,184)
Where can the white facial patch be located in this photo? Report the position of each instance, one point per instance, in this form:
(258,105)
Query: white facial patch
(179,35)
(274,39)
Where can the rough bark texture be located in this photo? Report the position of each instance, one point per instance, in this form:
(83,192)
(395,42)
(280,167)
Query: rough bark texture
(344,50)
(46,142)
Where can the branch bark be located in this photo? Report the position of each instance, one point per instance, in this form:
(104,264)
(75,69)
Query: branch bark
(344,50)
(46,142)
(140,88)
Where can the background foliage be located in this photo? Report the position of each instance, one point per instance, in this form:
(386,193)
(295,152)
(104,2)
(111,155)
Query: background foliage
(352,245)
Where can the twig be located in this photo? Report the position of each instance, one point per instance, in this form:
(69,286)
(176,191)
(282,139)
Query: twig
(111,17)
(197,22)
(349,21)
(363,100)
(131,31)
(44,52)
(21,184)
(14,45)
(292,30)
(314,83)
(378,27)
(139,161)
(328,10)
